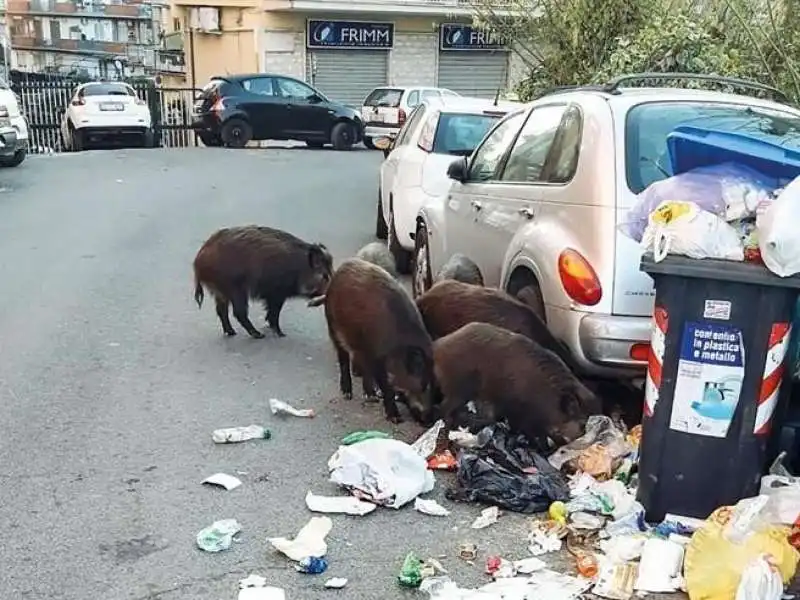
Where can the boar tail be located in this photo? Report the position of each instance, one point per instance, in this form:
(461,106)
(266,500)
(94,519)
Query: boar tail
(198,293)
(318,301)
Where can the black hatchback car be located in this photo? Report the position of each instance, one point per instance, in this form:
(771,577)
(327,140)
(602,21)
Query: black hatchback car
(234,109)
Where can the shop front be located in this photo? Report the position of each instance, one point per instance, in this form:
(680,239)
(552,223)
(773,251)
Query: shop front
(471,61)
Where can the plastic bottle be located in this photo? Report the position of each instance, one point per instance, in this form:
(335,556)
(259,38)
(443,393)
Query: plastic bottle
(232,435)
(586,565)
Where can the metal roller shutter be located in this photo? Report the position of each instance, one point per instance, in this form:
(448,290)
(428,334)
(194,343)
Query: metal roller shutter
(473,73)
(347,76)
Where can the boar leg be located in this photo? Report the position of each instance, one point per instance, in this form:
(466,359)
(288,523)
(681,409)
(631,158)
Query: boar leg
(389,403)
(274,307)
(239,301)
(223,311)
(345,380)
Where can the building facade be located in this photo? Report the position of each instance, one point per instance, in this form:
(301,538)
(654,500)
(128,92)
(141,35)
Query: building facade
(95,38)
(346,48)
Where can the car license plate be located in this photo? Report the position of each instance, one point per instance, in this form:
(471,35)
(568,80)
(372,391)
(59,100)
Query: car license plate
(111,106)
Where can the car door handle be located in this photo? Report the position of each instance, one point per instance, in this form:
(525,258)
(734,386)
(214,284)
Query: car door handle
(476,204)
(526,212)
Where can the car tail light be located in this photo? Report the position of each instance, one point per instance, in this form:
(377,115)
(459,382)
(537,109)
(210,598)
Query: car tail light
(578,278)
(218,105)
(427,134)
(640,352)
(401,116)
(78,102)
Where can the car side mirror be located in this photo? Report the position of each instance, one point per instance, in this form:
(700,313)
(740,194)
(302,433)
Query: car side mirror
(458,170)
(314,99)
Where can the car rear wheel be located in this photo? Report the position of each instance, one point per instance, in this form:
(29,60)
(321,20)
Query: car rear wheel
(421,277)
(531,295)
(342,136)
(316,144)
(14,161)
(402,257)
(78,140)
(148,139)
(381,230)
(236,133)
(209,139)
(370,144)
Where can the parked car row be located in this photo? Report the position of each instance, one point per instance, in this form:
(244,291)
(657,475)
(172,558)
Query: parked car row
(538,203)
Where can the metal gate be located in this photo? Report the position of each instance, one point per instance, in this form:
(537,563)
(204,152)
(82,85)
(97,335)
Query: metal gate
(472,72)
(347,76)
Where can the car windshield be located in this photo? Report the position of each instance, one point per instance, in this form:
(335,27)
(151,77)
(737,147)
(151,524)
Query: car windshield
(107,89)
(460,133)
(648,125)
(384,97)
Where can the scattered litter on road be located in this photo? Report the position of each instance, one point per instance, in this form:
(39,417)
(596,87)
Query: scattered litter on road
(411,571)
(498,567)
(558,512)
(309,541)
(360,436)
(336,583)
(339,505)
(229,482)
(596,451)
(233,435)
(262,593)
(583,520)
(623,548)
(462,438)
(444,461)
(615,580)
(434,565)
(384,471)
(543,541)
(487,517)
(468,551)
(426,444)
(660,566)
(252,581)
(526,566)
(312,565)
(504,471)
(279,407)
(219,536)
(430,507)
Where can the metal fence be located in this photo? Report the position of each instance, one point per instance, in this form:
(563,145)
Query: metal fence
(44,102)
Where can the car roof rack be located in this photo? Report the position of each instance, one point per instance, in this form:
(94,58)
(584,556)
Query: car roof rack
(612,87)
(572,88)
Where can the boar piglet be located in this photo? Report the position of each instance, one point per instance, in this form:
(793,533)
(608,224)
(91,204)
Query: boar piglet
(460,268)
(374,324)
(509,376)
(449,305)
(269,265)
(378,254)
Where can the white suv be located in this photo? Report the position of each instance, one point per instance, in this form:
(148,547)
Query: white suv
(12,153)
(385,109)
(538,205)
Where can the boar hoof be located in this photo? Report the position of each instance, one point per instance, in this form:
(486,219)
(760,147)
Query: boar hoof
(257,335)
(372,397)
(229,333)
(347,395)
(396,419)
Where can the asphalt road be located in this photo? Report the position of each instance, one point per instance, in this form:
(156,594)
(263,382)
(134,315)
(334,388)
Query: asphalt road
(111,382)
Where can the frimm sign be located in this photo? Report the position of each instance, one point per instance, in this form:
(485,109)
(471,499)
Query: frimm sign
(349,34)
(455,36)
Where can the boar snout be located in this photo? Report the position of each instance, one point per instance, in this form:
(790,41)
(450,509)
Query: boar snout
(566,432)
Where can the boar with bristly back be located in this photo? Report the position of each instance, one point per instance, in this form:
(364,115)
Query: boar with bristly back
(460,268)
(378,254)
(375,327)
(506,375)
(449,305)
(239,264)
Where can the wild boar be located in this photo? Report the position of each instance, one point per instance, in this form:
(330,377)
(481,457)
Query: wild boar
(375,326)
(238,264)
(509,376)
(460,268)
(449,305)
(378,254)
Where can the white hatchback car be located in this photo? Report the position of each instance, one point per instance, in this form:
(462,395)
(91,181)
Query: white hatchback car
(416,163)
(105,111)
(539,203)
(385,109)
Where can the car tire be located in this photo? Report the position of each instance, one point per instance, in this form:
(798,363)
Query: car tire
(148,139)
(369,144)
(421,276)
(381,229)
(531,295)
(402,257)
(78,140)
(342,136)
(315,144)
(16,160)
(210,140)
(236,133)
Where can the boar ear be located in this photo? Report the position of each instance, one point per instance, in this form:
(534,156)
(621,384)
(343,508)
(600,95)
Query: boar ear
(571,405)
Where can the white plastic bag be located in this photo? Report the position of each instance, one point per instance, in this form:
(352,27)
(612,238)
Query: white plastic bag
(784,498)
(381,470)
(760,581)
(777,232)
(686,229)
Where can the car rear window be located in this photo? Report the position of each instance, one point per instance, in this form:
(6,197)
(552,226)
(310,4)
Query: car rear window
(460,133)
(108,89)
(648,125)
(384,97)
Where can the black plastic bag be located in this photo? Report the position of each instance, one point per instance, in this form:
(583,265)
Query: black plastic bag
(503,470)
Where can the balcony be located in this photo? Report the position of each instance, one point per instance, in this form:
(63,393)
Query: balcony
(171,61)
(67,46)
(62,8)
(442,8)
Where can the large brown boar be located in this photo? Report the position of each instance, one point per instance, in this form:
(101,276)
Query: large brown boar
(460,268)
(238,264)
(449,305)
(509,376)
(375,326)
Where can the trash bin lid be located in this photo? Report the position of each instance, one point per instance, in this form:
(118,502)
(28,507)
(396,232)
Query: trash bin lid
(691,147)
(718,270)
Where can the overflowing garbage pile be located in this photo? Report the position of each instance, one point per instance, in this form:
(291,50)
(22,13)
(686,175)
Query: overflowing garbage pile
(727,211)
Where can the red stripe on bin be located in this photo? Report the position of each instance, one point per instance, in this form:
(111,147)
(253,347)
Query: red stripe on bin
(778,332)
(770,384)
(661,319)
(654,368)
